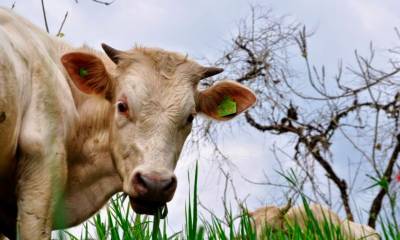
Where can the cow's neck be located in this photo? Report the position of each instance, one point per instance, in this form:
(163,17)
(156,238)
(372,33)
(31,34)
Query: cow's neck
(92,178)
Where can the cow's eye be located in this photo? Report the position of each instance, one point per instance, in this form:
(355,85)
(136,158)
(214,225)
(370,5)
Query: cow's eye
(190,119)
(122,107)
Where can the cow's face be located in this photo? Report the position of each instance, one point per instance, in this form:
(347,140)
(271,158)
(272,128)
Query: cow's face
(154,100)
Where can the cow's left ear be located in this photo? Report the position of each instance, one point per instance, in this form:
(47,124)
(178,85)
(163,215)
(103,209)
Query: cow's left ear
(88,73)
(225,100)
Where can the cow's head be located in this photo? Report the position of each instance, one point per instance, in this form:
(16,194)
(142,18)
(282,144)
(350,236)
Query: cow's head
(155,98)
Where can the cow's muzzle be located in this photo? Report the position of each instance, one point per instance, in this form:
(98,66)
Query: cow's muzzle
(149,208)
(152,191)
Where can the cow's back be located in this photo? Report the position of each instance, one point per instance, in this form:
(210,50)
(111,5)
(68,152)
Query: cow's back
(30,69)
(30,73)
(354,231)
(298,215)
(29,65)
(13,75)
(18,52)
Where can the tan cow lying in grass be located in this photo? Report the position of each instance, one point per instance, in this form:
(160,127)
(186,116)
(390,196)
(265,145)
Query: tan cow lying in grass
(297,215)
(269,216)
(78,126)
(354,230)
(281,218)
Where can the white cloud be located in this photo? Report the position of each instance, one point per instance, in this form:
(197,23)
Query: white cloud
(374,16)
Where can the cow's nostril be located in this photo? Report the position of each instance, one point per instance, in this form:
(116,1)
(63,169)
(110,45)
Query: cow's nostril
(140,183)
(169,185)
(138,179)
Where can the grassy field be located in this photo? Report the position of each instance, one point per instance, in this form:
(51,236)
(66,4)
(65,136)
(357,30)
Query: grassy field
(120,223)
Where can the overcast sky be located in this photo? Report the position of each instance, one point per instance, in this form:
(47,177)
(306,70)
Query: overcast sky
(202,28)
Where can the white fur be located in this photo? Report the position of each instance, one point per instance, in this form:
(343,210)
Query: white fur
(354,231)
(321,214)
(276,218)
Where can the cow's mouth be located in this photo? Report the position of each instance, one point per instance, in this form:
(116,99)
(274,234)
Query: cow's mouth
(149,207)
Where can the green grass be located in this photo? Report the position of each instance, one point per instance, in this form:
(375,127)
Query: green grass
(120,223)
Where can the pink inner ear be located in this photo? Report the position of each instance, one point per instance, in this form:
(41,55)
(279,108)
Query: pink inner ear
(210,98)
(96,81)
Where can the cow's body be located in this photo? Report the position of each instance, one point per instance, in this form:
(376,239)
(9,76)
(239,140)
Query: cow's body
(354,231)
(38,137)
(77,126)
(280,218)
(298,215)
(276,218)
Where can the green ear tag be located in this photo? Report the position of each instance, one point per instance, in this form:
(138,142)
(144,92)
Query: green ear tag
(226,107)
(83,72)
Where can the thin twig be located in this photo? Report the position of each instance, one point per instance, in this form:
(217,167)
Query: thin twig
(45,18)
(62,24)
(104,2)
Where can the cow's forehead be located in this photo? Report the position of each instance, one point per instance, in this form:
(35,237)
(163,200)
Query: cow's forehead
(150,84)
(156,74)
(156,63)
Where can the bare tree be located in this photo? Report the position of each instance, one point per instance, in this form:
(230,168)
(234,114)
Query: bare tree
(360,107)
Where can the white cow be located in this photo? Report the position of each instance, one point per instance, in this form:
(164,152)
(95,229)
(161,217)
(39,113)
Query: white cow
(356,231)
(281,218)
(269,217)
(77,126)
(298,215)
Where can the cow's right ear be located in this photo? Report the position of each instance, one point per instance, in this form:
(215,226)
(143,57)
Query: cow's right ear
(88,73)
(216,101)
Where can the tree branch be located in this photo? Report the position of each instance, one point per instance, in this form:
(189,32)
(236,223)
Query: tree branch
(45,17)
(101,2)
(59,33)
(104,2)
(377,202)
(331,174)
